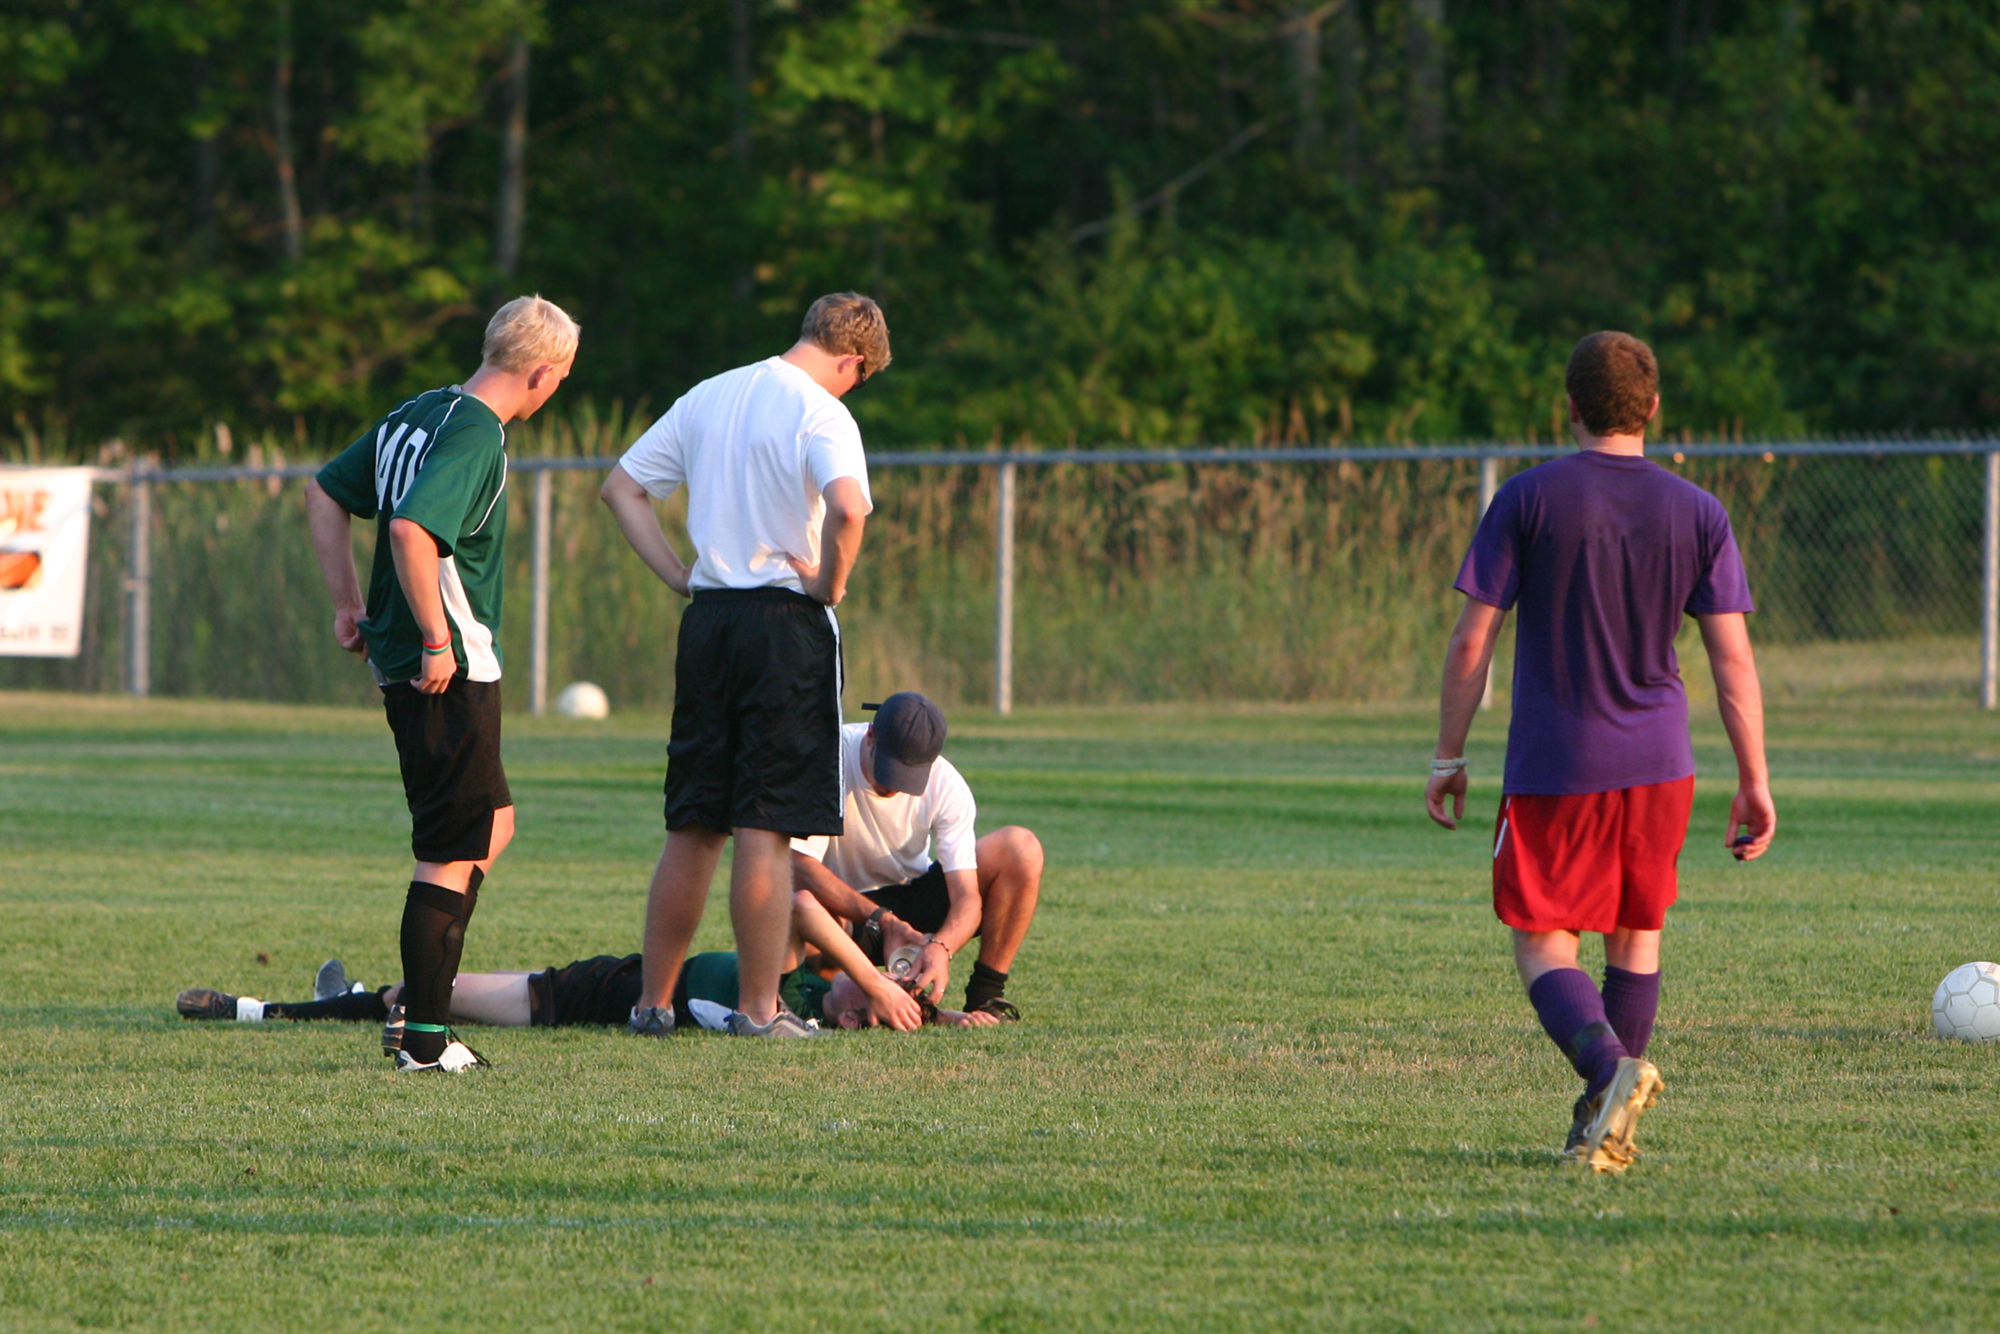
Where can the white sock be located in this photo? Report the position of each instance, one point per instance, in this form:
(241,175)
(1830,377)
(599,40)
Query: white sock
(249,1010)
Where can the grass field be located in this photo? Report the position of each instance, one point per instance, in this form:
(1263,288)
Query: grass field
(1275,1074)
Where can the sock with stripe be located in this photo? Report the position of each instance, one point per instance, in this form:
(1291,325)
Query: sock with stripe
(433,935)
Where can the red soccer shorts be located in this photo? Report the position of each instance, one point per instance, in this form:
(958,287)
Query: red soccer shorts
(1593,861)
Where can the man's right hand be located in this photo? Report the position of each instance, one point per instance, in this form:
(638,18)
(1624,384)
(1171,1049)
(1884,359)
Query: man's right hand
(896,933)
(893,1006)
(438,669)
(347,629)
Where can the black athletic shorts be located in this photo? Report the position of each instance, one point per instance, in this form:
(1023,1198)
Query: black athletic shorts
(449,748)
(923,902)
(756,738)
(602,990)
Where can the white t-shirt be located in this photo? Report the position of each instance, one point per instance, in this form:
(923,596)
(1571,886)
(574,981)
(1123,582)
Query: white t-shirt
(755,447)
(889,840)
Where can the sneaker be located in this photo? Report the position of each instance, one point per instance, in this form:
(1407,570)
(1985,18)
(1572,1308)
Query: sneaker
(392,1032)
(456,1058)
(202,1003)
(330,980)
(784,1024)
(1607,1141)
(651,1021)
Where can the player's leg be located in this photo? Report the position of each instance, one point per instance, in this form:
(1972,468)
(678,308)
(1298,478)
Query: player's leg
(784,780)
(1555,875)
(674,906)
(1655,828)
(1632,985)
(496,999)
(760,910)
(462,816)
(1010,887)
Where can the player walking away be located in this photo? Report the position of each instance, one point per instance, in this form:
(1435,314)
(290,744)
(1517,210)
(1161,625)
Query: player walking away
(777,495)
(603,990)
(906,870)
(431,474)
(1603,552)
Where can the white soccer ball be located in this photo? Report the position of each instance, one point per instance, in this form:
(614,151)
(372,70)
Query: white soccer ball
(581,699)
(1967,1003)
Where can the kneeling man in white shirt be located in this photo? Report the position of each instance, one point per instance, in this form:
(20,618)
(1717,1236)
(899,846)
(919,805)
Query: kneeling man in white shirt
(907,868)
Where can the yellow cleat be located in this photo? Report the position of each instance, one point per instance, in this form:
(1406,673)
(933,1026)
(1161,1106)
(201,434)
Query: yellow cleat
(1608,1140)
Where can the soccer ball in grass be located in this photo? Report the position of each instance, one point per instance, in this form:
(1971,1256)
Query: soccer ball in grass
(582,700)
(1967,1003)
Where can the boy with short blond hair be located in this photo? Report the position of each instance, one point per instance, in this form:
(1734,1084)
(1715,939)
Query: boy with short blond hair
(432,474)
(1603,552)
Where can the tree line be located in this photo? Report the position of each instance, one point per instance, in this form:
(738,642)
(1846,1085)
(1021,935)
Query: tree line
(1170,221)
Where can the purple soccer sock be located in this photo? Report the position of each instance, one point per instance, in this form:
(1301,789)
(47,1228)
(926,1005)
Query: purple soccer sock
(1630,1002)
(1572,1013)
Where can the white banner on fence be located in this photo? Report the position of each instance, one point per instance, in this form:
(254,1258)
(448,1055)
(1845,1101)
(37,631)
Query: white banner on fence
(44,553)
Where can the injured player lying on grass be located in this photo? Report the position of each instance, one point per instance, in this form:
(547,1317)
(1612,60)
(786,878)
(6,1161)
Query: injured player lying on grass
(827,980)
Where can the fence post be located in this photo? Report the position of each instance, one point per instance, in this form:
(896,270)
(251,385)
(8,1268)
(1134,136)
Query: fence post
(1489,482)
(1003,593)
(538,614)
(139,585)
(1989,609)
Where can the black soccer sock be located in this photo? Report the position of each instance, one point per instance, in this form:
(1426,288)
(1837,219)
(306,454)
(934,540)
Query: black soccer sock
(984,985)
(433,935)
(356,1007)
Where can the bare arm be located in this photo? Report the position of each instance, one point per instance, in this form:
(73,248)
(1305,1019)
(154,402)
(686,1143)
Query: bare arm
(333,543)
(633,509)
(849,904)
(416,556)
(961,924)
(890,1003)
(839,542)
(1740,697)
(834,894)
(1467,659)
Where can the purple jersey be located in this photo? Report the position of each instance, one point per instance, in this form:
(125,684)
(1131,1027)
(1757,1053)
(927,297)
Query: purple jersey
(1603,553)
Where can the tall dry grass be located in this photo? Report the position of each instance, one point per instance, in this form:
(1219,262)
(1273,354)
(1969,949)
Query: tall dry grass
(1134,583)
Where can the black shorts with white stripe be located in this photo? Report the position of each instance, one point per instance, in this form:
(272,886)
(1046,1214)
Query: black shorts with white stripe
(756,734)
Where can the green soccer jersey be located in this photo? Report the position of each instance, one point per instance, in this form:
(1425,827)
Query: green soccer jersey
(440,461)
(712,977)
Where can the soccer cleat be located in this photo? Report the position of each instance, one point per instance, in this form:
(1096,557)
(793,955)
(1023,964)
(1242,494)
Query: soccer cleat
(1607,1141)
(392,1032)
(456,1058)
(330,980)
(1579,1126)
(651,1021)
(1001,1007)
(202,1003)
(784,1024)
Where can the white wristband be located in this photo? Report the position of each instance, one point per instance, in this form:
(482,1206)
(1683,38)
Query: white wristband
(1440,768)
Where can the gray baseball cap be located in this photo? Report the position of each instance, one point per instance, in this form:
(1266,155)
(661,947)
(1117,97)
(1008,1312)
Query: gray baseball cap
(909,734)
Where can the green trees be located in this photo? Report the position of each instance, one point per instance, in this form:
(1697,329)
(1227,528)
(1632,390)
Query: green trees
(1155,220)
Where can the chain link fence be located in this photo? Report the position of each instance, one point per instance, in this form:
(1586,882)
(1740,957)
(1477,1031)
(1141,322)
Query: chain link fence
(1297,575)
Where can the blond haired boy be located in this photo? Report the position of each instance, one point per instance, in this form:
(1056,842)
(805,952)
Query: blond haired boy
(432,474)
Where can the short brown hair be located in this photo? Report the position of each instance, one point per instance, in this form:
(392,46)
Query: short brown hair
(1614,380)
(848,322)
(528,332)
